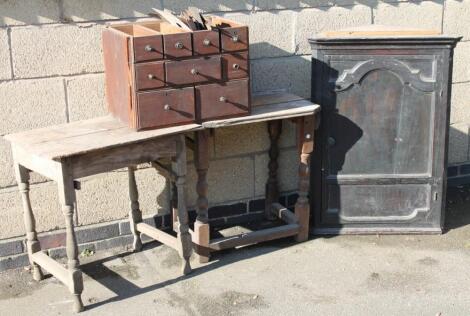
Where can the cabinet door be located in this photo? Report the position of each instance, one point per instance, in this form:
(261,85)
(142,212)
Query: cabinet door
(378,139)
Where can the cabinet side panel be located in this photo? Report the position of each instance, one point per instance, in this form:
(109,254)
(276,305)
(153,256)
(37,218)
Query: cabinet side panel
(117,74)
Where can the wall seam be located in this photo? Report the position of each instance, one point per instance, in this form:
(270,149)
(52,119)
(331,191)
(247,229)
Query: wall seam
(294,34)
(443,16)
(253,160)
(60,5)
(372,19)
(54,76)
(67,110)
(12,72)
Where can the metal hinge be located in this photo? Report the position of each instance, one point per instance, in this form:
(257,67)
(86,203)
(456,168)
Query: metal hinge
(435,196)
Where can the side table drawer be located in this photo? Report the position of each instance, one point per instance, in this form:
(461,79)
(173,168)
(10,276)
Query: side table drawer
(165,107)
(177,45)
(149,75)
(223,99)
(206,42)
(148,48)
(234,38)
(181,72)
(235,66)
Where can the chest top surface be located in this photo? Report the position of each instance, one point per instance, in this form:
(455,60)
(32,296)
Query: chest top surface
(382,34)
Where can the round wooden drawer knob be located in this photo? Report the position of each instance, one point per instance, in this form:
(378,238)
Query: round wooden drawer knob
(235,38)
(194,71)
(236,66)
(223,99)
(179,45)
(148,48)
(166,107)
(206,42)
(150,76)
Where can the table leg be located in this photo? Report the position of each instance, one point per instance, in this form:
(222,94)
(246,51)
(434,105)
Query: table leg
(184,237)
(135,215)
(68,200)
(305,129)
(174,205)
(272,189)
(201,226)
(32,243)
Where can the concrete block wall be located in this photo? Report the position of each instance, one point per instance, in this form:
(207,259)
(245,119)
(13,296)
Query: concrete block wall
(51,72)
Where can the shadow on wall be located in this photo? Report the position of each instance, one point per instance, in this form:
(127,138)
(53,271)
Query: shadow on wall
(288,73)
(20,12)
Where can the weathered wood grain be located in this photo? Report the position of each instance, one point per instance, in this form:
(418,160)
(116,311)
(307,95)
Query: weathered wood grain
(276,111)
(135,215)
(284,214)
(119,157)
(158,234)
(68,201)
(184,237)
(76,138)
(255,237)
(201,226)
(272,189)
(305,140)
(32,243)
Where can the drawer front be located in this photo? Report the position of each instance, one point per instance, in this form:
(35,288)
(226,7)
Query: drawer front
(206,42)
(148,48)
(177,45)
(190,71)
(235,66)
(234,38)
(165,107)
(223,100)
(149,75)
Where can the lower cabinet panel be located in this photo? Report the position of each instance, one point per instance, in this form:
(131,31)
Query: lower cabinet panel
(353,204)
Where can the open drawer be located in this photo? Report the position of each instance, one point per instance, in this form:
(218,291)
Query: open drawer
(233,36)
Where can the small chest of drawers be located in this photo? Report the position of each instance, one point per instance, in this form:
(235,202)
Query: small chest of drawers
(158,74)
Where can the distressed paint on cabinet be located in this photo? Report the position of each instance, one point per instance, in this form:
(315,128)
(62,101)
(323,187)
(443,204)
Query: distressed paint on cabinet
(382,143)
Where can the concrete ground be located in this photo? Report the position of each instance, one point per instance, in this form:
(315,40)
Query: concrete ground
(338,275)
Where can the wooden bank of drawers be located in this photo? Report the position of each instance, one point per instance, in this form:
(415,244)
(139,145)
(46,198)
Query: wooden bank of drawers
(159,75)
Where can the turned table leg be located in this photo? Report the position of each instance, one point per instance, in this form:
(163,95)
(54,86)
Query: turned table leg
(135,215)
(174,205)
(184,237)
(201,226)
(305,129)
(272,189)
(68,200)
(32,243)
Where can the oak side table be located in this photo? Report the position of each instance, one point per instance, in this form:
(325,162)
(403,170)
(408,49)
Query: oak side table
(71,151)
(270,108)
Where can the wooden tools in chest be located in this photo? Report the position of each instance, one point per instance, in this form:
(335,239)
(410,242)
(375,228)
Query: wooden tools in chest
(159,74)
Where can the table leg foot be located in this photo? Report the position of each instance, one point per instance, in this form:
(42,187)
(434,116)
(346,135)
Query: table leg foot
(77,303)
(302,211)
(201,241)
(37,273)
(137,244)
(186,267)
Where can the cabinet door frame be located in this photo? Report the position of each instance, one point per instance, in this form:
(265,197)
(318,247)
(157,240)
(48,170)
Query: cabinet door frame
(321,87)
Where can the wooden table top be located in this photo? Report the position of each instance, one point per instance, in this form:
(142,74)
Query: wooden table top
(70,139)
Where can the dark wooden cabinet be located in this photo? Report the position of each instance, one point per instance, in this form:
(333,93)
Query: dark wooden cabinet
(382,143)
